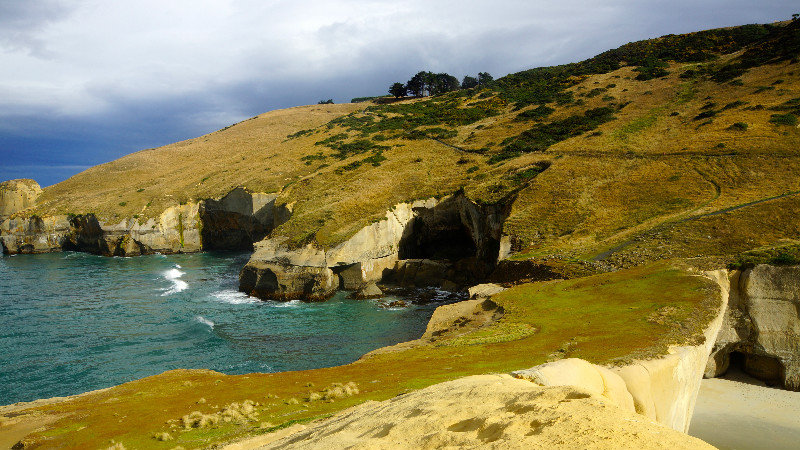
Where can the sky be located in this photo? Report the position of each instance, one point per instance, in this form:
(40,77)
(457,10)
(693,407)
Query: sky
(84,82)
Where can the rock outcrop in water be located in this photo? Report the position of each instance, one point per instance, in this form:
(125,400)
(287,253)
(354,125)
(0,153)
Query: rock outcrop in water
(17,195)
(448,243)
(231,223)
(761,330)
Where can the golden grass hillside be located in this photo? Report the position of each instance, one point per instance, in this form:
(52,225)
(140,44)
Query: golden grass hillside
(637,138)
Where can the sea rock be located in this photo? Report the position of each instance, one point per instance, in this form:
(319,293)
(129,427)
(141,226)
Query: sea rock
(34,234)
(419,272)
(350,265)
(485,290)
(762,326)
(462,316)
(371,290)
(17,195)
(237,220)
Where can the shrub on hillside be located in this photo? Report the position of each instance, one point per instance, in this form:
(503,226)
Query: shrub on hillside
(783,119)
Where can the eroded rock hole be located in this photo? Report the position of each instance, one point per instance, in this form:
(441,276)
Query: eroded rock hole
(453,244)
(439,237)
(765,368)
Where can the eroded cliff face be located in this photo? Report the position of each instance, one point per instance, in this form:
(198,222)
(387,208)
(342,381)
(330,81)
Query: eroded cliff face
(277,271)
(761,328)
(448,243)
(175,230)
(237,220)
(17,195)
(232,222)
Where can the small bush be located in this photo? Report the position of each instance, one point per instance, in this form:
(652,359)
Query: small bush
(783,119)
(537,113)
(299,133)
(738,126)
(732,105)
(705,115)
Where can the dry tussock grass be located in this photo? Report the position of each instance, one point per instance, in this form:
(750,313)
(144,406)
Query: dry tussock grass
(653,164)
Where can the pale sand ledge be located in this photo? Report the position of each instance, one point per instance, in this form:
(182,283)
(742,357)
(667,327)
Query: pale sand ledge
(489,411)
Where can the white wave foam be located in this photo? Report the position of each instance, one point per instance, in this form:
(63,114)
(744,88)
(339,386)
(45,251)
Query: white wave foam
(173,274)
(289,304)
(204,321)
(178,285)
(233,297)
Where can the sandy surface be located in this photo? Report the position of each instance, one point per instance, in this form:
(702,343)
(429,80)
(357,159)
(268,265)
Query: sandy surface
(741,413)
(489,411)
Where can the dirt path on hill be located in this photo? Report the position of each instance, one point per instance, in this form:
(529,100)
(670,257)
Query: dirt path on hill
(663,226)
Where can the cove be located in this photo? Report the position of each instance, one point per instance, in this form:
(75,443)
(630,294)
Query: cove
(73,322)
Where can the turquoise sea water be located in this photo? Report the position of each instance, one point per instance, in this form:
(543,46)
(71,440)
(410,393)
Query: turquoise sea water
(73,322)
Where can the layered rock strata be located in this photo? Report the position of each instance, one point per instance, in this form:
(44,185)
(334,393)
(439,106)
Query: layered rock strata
(232,222)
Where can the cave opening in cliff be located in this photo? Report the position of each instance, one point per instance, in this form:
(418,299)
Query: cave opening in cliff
(438,237)
(765,368)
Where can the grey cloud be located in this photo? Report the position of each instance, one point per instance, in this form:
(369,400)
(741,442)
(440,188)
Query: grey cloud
(261,56)
(22,21)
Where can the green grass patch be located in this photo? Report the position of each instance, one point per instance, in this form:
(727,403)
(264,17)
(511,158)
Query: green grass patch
(639,124)
(542,136)
(606,319)
(778,256)
(788,119)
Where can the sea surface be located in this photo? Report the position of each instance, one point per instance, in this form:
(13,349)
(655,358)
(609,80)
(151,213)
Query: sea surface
(74,322)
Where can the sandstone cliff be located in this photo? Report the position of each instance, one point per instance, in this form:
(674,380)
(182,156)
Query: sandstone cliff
(233,222)
(761,329)
(17,195)
(449,242)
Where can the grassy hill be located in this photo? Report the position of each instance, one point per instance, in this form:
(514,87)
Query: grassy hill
(635,142)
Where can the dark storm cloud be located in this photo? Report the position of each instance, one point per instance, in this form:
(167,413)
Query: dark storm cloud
(86,82)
